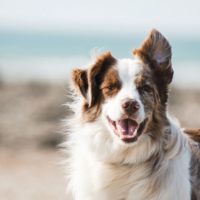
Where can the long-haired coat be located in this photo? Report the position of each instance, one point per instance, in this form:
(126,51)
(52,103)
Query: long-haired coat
(122,143)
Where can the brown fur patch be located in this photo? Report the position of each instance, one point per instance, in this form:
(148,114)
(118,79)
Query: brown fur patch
(147,90)
(194,134)
(89,84)
(96,74)
(195,170)
(156,52)
(150,98)
(111,83)
(193,196)
(79,77)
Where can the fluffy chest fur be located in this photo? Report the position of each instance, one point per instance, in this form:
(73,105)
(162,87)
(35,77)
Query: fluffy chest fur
(163,176)
(121,142)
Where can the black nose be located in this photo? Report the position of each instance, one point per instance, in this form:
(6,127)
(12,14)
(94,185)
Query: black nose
(130,105)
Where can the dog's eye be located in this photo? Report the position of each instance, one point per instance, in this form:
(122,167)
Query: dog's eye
(111,87)
(146,88)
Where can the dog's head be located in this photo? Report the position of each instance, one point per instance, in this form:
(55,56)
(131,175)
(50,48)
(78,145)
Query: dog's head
(128,95)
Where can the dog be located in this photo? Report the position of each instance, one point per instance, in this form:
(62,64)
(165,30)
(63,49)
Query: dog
(122,143)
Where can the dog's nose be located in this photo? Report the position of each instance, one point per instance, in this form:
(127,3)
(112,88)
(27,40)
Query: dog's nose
(130,105)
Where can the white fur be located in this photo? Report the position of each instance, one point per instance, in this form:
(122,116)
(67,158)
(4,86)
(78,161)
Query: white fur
(127,69)
(102,167)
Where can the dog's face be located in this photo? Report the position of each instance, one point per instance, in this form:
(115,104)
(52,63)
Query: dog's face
(129,99)
(128,95)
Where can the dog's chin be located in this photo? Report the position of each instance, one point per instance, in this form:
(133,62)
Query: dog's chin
(127,129)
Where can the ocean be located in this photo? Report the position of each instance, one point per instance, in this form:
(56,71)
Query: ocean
(26,56)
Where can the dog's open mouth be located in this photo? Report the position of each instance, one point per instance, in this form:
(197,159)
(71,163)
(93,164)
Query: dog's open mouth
(126,129)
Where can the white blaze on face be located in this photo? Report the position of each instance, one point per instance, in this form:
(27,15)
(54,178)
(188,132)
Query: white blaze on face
(128,69)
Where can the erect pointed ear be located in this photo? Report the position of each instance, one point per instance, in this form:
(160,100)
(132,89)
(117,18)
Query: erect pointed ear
(156,50)
(88,81)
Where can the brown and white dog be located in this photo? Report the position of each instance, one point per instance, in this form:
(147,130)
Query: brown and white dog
(123,144)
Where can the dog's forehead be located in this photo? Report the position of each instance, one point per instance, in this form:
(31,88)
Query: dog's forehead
(129,68)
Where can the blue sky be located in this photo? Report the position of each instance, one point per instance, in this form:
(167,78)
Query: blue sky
(180,17)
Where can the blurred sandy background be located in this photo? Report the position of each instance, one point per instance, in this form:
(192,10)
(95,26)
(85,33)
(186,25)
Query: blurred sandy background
(40,42)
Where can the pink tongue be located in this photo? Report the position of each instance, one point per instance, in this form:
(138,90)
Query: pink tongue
(126,126)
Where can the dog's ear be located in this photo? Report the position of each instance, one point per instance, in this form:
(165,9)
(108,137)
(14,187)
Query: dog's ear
(80,81)
(88,81)
(156,50)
